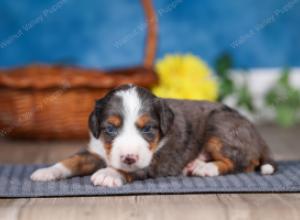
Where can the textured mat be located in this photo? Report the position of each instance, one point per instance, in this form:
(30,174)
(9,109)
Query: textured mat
(15,182)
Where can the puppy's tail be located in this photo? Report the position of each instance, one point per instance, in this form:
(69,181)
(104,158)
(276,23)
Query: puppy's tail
(267,163)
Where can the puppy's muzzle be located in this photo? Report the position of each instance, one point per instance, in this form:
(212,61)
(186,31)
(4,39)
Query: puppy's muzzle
(129,159)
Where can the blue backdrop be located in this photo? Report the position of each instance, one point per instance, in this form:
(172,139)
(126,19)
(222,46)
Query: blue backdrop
(98,33)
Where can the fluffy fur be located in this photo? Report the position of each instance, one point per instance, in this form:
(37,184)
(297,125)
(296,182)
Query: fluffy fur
(136,135)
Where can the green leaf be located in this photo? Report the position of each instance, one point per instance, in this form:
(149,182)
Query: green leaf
(223,65)
(245,98)
(271,98)
(226,87)
(285,100)
(286,116)
(284,78)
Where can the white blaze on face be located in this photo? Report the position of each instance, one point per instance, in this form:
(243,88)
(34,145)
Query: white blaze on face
(129,140)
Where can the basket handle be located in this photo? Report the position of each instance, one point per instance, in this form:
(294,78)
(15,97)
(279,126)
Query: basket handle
(151,41)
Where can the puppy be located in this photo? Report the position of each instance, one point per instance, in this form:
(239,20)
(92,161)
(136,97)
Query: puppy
(136,135)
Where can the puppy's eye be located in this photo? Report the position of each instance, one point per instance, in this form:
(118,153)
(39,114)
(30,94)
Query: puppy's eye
(111,130)
(147,129)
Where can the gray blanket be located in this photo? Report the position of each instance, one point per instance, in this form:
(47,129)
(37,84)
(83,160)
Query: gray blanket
(15,182)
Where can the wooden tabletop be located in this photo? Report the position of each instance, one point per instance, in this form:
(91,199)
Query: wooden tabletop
(284,143)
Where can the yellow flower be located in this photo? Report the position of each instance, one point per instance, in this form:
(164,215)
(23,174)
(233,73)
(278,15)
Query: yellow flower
(185,77)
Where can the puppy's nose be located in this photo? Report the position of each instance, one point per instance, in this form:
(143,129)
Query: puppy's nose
(129,159)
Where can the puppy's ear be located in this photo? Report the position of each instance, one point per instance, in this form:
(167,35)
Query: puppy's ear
(94,124)
(166,115)
(94,118)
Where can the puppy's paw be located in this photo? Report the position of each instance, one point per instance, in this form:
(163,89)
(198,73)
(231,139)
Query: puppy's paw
(107,177)
(207,169)
(192,167)
(55,172)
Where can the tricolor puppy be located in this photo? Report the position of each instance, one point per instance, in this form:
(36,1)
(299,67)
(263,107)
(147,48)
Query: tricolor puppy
(136,135)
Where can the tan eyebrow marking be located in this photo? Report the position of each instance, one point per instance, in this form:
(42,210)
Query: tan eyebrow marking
(114,120)
(142,121)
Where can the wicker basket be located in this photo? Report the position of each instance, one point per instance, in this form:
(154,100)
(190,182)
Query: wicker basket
(53,102)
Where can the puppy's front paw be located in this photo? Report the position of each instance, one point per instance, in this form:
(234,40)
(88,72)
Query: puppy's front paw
(107,177)
(55,172)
